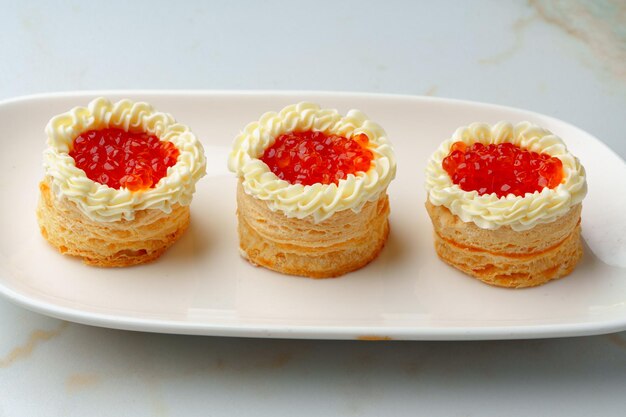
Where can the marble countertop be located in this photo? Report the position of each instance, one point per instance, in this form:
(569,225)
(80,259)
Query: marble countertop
(565,59)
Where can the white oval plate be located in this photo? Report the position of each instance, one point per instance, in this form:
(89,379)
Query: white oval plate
(201,285)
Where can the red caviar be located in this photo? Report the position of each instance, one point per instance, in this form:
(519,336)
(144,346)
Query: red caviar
(502,169)
(314,157)
(120,159)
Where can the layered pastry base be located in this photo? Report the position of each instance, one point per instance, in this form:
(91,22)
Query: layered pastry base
(312,192)
(505,202)
(119,178)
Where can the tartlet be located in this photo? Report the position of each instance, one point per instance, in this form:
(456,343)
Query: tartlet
(133,201)
(320,229)
(505,238)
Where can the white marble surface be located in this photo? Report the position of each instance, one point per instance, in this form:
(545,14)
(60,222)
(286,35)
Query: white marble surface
(563,58)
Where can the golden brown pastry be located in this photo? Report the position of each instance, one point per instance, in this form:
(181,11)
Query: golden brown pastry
(504,257)
(340,244)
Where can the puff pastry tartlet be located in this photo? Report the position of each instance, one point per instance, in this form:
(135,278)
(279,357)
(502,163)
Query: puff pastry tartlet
(505,203)
(119,178)
(312,190)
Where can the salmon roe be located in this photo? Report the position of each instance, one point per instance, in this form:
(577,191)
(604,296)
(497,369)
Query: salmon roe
(502,169)
(120,159)
(311,157)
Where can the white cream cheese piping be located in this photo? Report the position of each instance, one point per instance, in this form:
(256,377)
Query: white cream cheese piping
(318,200)
(100,202)
(520,213)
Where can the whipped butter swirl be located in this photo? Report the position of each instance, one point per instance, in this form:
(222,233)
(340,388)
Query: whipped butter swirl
(318,200)
(519,212)
(100,202)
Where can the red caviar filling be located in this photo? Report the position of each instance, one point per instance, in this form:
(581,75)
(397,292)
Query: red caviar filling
(314,157)
(120,159)
(502,169)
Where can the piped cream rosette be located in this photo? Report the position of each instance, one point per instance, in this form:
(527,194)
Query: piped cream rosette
(318,200)
(319,230)
(105,204)
(519,212)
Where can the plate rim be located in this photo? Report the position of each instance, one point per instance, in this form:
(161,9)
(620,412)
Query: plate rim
(315,332)
(320,93)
